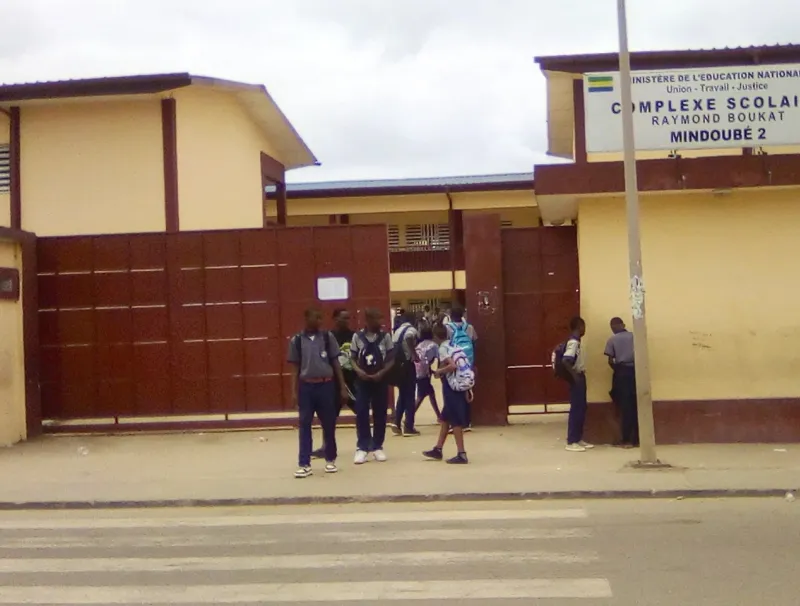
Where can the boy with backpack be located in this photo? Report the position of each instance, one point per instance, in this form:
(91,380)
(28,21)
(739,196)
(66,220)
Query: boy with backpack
(315,354)
(372,352)
(427,352)
(569,365)
(344,337)
(458,379)
(462,334)
(404,376)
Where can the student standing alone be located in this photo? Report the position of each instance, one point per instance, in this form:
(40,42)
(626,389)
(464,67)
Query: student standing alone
(372,352)
(315,354)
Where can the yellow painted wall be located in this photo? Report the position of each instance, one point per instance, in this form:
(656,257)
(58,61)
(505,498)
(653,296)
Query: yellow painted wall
(91,168)
(5,198)
(420,281)
(722,291)
(12,356)
(219,161)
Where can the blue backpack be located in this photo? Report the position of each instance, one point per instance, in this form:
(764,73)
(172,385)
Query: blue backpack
(462,340)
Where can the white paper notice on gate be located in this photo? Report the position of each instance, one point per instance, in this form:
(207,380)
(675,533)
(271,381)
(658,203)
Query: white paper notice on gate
(704,108)
(333,289)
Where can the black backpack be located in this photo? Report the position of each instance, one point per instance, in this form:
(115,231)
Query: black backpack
(557,360)
(370,357)
(399,371)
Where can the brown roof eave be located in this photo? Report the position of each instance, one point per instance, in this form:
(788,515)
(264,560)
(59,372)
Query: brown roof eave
(655,60)
(95,87)
(403,190)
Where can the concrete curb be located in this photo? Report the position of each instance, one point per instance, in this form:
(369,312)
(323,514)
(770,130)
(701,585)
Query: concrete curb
(700,493)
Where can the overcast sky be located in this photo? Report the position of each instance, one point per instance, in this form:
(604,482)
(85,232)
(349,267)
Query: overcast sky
(377,88)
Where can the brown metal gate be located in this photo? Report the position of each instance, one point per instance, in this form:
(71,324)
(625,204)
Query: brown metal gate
(522,290)
(541,282)
(190,327)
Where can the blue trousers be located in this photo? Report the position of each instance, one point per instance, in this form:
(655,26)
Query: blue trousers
(577,410)
(373,397)
(319,399)
(406,400)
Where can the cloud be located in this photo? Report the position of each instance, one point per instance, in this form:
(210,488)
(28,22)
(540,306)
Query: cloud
(377,88)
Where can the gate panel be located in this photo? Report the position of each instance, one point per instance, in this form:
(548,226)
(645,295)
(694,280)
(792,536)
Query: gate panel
(540,273)
(154,325)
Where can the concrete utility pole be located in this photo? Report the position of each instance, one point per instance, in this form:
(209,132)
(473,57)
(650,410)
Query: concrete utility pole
(647,437)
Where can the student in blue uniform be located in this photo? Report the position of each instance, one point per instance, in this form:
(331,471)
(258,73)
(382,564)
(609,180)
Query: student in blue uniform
(372,352)
(315,353)
(457,379)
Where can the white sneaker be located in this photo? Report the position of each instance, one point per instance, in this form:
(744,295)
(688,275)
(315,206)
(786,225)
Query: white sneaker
(575,448)
(303,472)
(360,458)
(380,456)
(330,467)
(586,445)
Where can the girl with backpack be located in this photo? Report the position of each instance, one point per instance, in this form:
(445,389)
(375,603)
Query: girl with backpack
(427,352)
(462,335)
(457,382)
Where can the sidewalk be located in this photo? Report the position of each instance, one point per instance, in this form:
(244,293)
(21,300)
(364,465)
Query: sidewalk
(520,461)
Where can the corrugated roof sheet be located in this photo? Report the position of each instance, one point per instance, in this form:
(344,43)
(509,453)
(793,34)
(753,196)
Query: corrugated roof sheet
(388,187)
(526,178)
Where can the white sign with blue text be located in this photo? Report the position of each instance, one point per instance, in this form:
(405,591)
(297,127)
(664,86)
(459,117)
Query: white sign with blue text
(715,107)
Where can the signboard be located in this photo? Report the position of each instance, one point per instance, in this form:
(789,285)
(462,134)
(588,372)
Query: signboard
(702,108)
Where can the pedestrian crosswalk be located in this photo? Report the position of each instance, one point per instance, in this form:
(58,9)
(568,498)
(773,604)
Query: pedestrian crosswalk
(434,553)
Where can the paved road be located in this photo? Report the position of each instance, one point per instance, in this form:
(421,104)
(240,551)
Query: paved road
(633,553)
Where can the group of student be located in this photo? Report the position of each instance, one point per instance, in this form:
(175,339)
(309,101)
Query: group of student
(359,368)
(569,365)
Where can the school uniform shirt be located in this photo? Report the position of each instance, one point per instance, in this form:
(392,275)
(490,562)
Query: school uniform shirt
(427,352)
(316,362)
(620,348)
(574,353)
(410,335)
(386,345)
(445,352)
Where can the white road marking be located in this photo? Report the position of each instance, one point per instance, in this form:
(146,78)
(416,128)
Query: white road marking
(277,520)
(285,562)
(219,540)
(373,591)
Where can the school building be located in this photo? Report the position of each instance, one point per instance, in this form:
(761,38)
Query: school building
(155,260)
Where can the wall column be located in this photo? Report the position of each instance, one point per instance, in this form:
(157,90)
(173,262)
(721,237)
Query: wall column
(579,105)
(455,220)
(484,265)
(15,160)
(273,171)
(170,141)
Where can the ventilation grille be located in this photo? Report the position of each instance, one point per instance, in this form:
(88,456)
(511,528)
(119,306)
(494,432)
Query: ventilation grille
(5,169)
(428,236)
